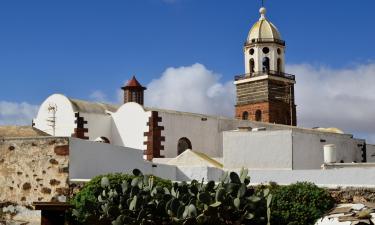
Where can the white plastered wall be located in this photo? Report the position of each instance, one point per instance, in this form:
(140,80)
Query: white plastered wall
(99,125)
(129,124)
(258,150)
(64,116)
(308,148)
(203,133)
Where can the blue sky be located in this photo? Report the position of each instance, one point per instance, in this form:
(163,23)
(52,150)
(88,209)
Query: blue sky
(75,47)
(80,48)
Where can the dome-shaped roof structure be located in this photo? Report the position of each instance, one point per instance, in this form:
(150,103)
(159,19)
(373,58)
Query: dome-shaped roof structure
(264,31)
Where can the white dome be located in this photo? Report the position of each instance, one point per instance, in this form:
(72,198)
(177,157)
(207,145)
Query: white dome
(263,29)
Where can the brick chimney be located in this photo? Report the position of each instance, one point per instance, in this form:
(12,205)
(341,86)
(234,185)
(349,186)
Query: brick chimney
(133,91)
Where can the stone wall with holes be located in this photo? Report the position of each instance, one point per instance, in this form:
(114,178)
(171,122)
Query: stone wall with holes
(34,170)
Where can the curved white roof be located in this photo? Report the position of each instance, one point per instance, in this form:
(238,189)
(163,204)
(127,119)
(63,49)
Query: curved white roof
(92,107)
(263,29)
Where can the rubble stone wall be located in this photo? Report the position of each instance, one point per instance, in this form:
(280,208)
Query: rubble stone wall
(34,170)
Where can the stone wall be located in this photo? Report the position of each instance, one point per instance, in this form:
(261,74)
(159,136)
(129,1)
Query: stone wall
(34,170)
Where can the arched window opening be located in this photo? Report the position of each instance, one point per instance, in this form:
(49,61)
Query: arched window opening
(245,115)
(266,64)
(183,145)
(252,66)
(278,65)
(258,115)
(103,140)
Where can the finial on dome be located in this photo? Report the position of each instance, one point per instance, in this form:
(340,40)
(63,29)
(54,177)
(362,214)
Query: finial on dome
(262,12)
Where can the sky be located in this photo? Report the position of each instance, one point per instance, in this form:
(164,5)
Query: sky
(192,48)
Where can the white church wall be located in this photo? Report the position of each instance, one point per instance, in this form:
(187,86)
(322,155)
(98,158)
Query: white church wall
(89,159)
(258,150)
(370,153)
(64,117)
(98,125)
(308,148)
(345,177)
(203,133)
(129,125)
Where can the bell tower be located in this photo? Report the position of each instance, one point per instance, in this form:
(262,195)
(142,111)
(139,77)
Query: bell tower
(265,92)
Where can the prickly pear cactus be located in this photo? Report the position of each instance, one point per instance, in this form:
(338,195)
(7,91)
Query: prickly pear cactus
(230,201)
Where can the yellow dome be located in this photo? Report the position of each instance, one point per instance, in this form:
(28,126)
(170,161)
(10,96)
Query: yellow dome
(263,30)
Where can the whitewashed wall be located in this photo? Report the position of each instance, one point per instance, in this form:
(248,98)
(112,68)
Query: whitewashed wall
(99,125)
(370,152)
(308,148)
(128,126)
(64,116)
(350,177)
(258,150)
(204,134)
(89,159)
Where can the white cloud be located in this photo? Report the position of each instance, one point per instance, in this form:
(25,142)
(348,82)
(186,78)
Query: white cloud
(14,113)
(192,89)
(98,96)
(343,98)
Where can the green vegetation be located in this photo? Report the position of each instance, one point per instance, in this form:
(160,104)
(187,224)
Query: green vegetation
(141,200)
(300,203)
(86,206)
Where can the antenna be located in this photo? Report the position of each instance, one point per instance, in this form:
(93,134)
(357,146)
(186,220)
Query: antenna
(262,3)
(52,119)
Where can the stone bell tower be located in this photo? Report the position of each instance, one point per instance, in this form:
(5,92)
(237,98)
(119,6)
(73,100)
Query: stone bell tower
(265,92)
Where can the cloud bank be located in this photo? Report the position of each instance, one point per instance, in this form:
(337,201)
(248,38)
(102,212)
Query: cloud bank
(14,113)
(191,89)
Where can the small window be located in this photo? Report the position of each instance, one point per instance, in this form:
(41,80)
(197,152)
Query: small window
(279,51)
(258,115)
(266,50)
(278,65)
(245,115)
(252,66)
(183,145)
(251,51)
(266,64)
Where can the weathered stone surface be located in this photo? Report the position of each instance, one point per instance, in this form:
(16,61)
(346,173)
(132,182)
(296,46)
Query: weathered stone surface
(53,162)
(54,182)
(46,190)
(26,172)
(62,150)
(26,186)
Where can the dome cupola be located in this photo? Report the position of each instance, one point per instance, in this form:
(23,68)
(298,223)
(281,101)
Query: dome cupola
(263,30)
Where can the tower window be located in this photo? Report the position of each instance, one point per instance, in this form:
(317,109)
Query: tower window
(252,65)
(266,64)
(245,115)
(266,50)
(251,51)
(183,145)
(278,65)
(258,115)
(279,51)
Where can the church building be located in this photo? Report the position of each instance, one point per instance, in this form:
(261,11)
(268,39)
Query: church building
(265,106)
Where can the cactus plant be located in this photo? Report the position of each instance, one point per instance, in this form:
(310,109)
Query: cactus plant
(142,202)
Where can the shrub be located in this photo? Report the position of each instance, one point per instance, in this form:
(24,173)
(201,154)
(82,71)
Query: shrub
(300,203)
(85,202)
(142,202)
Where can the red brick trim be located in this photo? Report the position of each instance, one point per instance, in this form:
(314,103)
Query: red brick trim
(154,138)
(80,130)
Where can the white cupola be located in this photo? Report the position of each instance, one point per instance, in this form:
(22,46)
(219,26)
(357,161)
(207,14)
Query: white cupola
(264,49)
